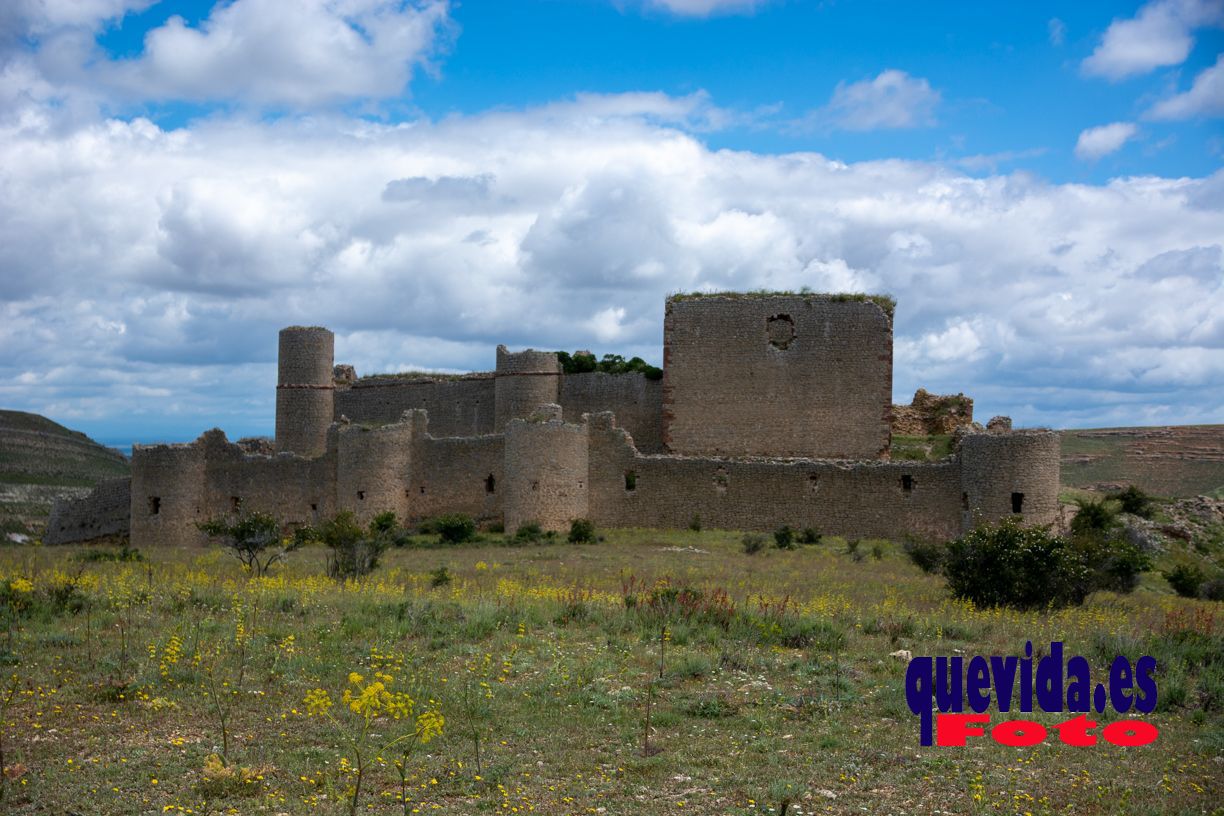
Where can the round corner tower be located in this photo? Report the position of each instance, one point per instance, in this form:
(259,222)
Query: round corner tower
(1015,473)
(305,389)
(525,380)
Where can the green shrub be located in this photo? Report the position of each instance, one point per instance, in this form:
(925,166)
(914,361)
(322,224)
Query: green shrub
(810,535)
(877,551)
(455,528)
(1093,517)
(1011,565)
(582,531)
(439,577)
(1134,501)
(695,523)
(784,538)
(354,552)
(927,555)
(1185,580)
(99,554)
(753,543)
(529,533)
(1212,590)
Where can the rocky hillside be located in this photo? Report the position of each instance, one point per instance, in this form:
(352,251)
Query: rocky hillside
(1185,460)
(41,460)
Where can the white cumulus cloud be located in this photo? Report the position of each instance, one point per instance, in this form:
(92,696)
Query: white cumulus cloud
(1096,142)
(893,99)
(1159,35)
(706,8)
(1205,97)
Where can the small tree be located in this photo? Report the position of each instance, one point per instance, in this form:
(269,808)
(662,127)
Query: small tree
(354,551)
(784,538)
(1185,580)
(253,538)
(1134,501)
(455,528)
(1093,517)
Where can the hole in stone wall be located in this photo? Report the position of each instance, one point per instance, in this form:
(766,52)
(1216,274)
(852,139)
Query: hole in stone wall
(780,330)
(154,505)
(721,479)
(422,490)
(360,495)
(964,501)
(813,483)
(235,503)
(630,481)
(490,484)
(907,483)
(535,485)
(314,508)
(1017,502)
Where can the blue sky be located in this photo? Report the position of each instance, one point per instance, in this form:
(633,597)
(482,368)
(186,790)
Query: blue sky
(1038,184)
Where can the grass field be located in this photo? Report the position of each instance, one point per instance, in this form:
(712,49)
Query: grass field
(775,683)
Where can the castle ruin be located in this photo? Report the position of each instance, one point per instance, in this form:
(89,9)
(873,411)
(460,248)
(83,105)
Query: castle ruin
(772,409)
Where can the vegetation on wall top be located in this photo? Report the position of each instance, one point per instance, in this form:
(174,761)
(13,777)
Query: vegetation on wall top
(885,302)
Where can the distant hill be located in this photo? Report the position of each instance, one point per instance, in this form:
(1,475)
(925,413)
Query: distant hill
(1180,460)
(41,460)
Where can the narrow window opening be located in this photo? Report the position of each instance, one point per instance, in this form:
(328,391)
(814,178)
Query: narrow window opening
(630,481)
(907,483)
(1017,502)
(813,483)
(360,495)
(535,485)
(154,505)
(490,484)
(422,490)
(235,503)
(964,501)
(314,508)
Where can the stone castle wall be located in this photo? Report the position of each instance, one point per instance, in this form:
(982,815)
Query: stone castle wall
(636,401)
(547,463)
(1009,472)
(460,407)
(304,389)
(834,497)
(803,375)
(105,512)
(525,381)
(169,494)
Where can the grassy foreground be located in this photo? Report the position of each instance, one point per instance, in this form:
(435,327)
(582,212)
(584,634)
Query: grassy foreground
(776,684)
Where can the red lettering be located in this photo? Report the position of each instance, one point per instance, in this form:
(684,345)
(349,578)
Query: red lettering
(1130,733)
(1018,733)
(951,729)
(1075,732)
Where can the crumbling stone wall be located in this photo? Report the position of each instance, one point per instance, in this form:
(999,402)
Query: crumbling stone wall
(168,494)
(802,375)
(304,390)
(930,414)
(105,512)
(457,407)
(636,401)
(546,471)
(372,466)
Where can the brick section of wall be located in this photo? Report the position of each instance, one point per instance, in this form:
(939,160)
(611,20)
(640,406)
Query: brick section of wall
(462,407)
(802,376)
(636,401)
(304,390)
(862,499)
(106,511)
(994,466)
(525,381)
(546,473)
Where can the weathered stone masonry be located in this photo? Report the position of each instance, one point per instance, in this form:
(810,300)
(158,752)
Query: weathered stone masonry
(773,410)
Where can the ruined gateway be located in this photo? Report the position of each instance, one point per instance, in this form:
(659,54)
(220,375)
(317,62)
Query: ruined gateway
(773,409)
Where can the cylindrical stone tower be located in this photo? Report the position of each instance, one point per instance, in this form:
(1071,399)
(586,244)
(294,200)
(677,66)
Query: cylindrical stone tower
(525,381)
(546,471)
(305,390)
(1010,473)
